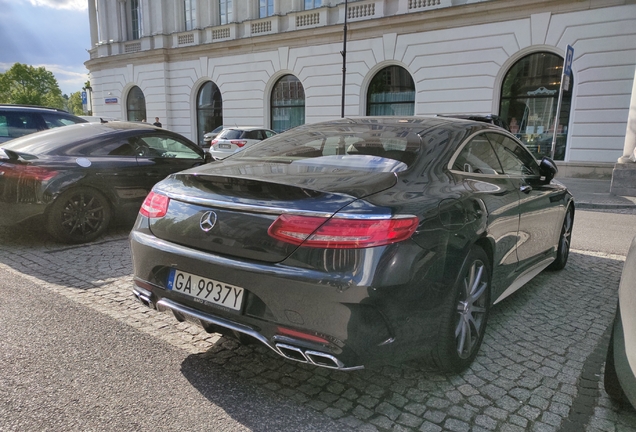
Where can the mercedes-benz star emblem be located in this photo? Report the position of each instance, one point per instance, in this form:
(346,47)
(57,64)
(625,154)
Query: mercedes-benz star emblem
(207,221)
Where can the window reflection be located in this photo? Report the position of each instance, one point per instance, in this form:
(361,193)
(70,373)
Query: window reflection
(391,92)
(288,104)
(529,97)
(136,105)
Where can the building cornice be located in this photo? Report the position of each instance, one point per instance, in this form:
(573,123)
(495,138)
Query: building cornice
(486,12)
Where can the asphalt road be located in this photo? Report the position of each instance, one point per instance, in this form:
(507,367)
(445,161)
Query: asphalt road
(603,231)
(65,368)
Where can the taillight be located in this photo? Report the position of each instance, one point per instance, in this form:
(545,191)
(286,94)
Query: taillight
(239,143)
(213,142)
(342,233)
(28,172)
(155,205)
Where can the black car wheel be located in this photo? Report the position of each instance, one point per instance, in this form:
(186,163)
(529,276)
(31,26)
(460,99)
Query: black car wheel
(563,251)
(78,215)
(465,323)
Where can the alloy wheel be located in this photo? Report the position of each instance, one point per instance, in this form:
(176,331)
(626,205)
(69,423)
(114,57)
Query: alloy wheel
(472,309)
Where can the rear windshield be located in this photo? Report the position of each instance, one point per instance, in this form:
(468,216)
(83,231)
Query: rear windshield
(369,147)
(230,134)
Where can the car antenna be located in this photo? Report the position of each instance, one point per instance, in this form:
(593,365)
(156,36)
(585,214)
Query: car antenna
(101,120)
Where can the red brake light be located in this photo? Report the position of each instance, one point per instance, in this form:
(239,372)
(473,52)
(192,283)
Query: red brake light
(239,143)
(29,172)
(213,142)
(341,233)
(155,205)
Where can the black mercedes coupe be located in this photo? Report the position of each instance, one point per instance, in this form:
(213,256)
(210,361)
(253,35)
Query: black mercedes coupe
(75,179)
(355,242)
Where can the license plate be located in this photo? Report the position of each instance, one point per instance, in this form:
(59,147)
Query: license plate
(209,290)
(225,146)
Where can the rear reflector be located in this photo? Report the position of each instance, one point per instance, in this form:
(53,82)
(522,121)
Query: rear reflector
(155,205)
(300,335)
(340,233)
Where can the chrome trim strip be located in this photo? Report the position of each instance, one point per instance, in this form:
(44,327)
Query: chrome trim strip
(241,207)
(524,278)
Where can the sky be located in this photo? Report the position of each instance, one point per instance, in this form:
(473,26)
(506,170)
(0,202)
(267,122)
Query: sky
(54,34)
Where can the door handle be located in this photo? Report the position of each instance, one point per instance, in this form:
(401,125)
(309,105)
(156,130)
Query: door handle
(525,189)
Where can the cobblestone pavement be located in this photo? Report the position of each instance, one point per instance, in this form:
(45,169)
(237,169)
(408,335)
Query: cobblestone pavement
(540,367)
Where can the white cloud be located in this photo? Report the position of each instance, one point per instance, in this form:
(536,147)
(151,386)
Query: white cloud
(79,5)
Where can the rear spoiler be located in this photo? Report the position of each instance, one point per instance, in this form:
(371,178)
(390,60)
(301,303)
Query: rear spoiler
(10,154)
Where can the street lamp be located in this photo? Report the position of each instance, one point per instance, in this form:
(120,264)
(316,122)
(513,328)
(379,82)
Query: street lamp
(344,61)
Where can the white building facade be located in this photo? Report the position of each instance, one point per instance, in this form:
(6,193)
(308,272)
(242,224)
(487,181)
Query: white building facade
(197,64)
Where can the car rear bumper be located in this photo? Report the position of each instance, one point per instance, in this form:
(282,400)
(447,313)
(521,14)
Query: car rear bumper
(14,213)
(321,318)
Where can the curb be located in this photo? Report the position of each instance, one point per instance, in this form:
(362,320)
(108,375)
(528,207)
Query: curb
(599,206)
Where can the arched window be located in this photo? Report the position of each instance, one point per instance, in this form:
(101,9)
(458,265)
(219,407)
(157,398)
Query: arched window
(136,105)
(391,92)
(529,96)
(288,104)
(209,109)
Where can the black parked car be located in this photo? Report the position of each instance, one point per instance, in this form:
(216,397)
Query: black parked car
(20,120)
(78,177)
(355,242)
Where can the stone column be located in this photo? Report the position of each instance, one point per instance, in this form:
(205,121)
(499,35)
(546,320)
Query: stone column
(624,174)
(92,19)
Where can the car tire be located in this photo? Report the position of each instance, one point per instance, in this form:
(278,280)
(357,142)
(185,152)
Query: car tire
(464,323)
(610,379)
(78,215)
(565,238)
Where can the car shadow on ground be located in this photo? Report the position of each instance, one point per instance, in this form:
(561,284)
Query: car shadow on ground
(28,249)
(540,367)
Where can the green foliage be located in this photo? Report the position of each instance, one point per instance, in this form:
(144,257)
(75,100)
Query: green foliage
(23,84)
(75,104)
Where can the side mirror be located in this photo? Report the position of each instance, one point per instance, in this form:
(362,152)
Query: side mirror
(208,157)
(548,168)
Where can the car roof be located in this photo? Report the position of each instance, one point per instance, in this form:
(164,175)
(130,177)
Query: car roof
(245,128)
(19,107)
(76,133)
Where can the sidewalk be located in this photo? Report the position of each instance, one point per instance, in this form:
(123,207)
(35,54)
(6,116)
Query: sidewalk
(595,194)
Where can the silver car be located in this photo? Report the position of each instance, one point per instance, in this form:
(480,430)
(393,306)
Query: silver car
(620,366)
(231,140)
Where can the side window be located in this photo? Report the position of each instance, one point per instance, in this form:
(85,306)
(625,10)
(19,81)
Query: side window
(4,127)
(269,133)
(478,157)
(514,158)
(119,147)
(56,120)
(164,147)
(253,134)
(20,124)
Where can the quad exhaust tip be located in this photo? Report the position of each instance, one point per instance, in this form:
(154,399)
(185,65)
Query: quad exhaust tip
(307,356)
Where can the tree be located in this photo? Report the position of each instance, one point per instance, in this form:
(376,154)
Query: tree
(75,104)
(28,85)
